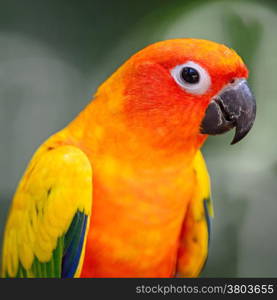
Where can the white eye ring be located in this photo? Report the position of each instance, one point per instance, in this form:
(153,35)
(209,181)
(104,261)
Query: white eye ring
(198,88)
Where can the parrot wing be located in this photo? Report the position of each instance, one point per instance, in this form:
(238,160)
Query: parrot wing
(195,234)
(46,229)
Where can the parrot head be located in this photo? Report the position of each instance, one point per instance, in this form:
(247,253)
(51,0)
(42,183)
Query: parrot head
(183,90)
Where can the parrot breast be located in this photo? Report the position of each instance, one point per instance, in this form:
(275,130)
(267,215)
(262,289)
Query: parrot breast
(136,221)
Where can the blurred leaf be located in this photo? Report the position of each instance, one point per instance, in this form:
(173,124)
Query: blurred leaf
(245,35)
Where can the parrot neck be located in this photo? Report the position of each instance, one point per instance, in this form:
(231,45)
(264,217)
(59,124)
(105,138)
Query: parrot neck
(100,134)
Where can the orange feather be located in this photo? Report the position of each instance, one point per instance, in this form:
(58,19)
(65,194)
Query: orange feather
(141,134)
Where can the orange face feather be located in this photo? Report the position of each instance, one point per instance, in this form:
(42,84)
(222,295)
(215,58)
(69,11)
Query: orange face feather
(142,98)
(154,101)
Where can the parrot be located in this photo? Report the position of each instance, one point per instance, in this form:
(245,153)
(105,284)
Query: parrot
(123,190)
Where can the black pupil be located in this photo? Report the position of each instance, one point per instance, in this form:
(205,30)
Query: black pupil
(190,75)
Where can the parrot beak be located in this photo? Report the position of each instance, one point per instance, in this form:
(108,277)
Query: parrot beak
(234,106)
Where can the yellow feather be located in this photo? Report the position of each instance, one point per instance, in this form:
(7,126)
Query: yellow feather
(55,185)
(195,241)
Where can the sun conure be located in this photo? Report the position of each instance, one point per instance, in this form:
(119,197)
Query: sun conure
(123,190)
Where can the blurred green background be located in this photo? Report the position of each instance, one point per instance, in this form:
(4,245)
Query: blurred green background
(53,55)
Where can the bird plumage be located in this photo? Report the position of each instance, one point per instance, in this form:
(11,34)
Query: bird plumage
(123,190)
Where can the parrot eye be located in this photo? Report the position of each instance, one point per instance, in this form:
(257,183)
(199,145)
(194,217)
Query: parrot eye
(192,77)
